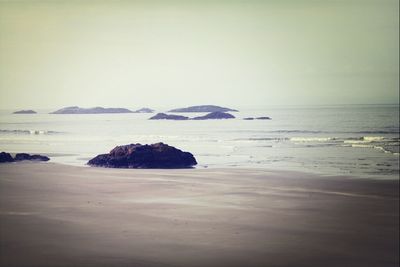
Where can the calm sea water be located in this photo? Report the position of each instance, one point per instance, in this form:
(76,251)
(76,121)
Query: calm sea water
(360,140)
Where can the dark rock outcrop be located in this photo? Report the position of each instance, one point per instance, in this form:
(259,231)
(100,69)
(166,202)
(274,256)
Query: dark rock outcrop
(214,116)
(203,108)
(163,116)
(155,156)
(5,157)
(26,156)
(95,110)
(144,110)
(25,112)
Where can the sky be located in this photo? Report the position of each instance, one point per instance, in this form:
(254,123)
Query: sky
(181,53)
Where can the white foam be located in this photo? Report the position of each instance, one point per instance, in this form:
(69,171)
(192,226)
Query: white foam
(311,139)
(362,145)
(365,139)
(354,142)
(37,132)
(372,138)
(380,148)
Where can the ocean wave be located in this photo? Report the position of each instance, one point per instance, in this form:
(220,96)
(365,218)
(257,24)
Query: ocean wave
(251,139)
(34,132)
(312,139)
(369,139)
(394,131)
(373,138)
(267,139)
(297,131)
(391,149)
(384,144)
(304,139)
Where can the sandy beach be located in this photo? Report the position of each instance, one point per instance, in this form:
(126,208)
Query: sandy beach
(59,215)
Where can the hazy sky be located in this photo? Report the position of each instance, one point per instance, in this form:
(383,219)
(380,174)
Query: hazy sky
(179,53)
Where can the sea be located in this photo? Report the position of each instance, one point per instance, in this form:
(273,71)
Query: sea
(342,140)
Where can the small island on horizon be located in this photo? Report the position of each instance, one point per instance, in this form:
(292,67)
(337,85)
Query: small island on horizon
(203,108)
(216,115)
(163,116)
(257,118)
(98,110)
(209,116)
(27,111)
(144,110)
(95,110)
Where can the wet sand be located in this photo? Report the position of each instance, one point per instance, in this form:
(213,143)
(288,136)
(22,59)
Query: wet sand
(57,215)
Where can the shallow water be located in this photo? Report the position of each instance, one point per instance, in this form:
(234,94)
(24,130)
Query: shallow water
(359,140)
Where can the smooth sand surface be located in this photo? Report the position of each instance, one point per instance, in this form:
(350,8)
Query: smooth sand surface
(57,215)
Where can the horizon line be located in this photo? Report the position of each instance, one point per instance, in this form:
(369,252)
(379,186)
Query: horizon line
(243,106)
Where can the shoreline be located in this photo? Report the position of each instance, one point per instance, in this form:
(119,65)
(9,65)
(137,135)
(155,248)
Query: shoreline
(296,170)
(55,214)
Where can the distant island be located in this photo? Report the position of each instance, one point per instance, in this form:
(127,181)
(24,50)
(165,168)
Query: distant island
(215,116)
(144,110)
(95,110)
(209,116)
(258,118)
(163,116)
(29,111)
(203,108)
